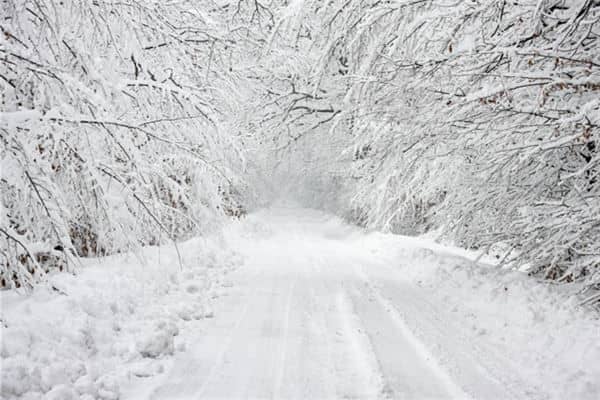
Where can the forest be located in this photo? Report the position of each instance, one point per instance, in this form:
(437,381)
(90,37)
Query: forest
(127,124)
(139,124)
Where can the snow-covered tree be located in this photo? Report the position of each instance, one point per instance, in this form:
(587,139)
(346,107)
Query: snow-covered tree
(133,123)
(119,126)
(478,116)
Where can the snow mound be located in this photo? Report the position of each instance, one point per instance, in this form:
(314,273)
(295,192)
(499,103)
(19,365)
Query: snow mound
(506,316)
(83,336)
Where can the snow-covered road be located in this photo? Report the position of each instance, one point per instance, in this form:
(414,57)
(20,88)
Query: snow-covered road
(292,303)
(317,313)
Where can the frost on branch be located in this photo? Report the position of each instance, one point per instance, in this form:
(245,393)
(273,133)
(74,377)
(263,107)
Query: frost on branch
(113,127)
(126,124)
(478,117)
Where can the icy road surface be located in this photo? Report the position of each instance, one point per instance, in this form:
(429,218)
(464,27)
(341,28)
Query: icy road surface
(316,312)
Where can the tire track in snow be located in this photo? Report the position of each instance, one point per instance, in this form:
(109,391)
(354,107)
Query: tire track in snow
(409,368)
(452,389)
(283,344)
(369,376)
(481,369)
(227,344)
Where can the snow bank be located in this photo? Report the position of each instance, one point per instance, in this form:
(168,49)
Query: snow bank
(83,336)
(505,316)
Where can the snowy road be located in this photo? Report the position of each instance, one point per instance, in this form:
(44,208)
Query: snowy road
(315,313)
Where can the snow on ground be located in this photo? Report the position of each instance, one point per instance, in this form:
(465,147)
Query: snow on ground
(119,316)
(530,336)
(318,309)
(321,309)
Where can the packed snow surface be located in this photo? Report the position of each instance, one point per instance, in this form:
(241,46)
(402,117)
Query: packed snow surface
(293,303)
